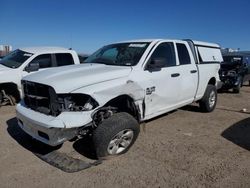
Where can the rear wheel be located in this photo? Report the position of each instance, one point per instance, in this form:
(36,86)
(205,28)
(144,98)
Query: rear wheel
(115,135)
(209,100)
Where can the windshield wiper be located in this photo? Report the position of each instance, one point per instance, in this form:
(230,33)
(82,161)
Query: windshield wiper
(111,62)
(103,61)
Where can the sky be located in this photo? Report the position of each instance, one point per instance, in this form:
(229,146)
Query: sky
(88,25)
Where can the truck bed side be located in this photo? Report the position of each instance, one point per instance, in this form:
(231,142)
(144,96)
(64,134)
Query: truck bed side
(208,58)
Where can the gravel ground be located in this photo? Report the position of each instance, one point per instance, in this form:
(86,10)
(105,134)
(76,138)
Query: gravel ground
(184,148)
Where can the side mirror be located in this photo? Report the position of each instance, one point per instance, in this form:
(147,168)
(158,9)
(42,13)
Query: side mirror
(156,63)
(32,67)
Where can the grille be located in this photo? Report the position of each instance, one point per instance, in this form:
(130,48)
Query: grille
(41,98)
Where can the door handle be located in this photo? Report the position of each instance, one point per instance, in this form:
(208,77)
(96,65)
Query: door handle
(193,71)
(175,75)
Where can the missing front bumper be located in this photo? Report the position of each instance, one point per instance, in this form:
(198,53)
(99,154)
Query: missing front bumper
(52,130)
(50,136)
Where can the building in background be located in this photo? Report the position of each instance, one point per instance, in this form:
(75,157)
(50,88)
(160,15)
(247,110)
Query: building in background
(4,50)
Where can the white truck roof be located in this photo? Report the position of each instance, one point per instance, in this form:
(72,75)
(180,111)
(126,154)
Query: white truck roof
(45,49)
(209,52)
(142,40)
(198,43)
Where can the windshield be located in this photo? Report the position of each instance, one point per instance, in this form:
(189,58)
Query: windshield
(232,59)
(15,59)
(121,54)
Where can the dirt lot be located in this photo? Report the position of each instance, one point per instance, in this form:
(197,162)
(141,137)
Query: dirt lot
(185,148)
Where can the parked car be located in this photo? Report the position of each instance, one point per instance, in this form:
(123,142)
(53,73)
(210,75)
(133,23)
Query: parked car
(118,87)
(25,61)
(235,70)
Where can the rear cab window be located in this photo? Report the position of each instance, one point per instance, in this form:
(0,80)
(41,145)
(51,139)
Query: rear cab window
(63,59)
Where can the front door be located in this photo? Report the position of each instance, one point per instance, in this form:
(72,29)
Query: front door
(163,84)
(44,61)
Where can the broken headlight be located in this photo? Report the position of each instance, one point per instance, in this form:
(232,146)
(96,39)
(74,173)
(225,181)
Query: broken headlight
(76,102)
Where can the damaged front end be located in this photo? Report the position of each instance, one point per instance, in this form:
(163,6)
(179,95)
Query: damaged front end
(76,102)
(48,116)
(231,74)
(43,99)
(229,78)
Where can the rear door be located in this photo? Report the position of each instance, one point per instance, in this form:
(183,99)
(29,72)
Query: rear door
(63,59)
(188,73)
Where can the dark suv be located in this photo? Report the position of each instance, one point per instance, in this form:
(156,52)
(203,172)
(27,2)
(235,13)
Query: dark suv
(235,70)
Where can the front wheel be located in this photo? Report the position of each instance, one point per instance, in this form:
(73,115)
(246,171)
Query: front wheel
(115,135)
(236,89)
(209,100)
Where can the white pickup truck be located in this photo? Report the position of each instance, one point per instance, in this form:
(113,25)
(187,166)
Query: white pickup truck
(118,87)
(25,61)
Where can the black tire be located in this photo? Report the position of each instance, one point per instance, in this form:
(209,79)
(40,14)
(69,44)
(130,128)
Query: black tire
(205,103)
(249,82)
(236,89)
(109,128)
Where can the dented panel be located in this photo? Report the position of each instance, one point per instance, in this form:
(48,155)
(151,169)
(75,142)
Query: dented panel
(105,91)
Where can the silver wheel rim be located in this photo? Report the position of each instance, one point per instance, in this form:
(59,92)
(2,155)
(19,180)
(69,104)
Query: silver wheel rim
(212,98)
(120,141)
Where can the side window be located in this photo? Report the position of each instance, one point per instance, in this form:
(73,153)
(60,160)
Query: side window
(166,52)
(44,61)
(183,54)
(63,59)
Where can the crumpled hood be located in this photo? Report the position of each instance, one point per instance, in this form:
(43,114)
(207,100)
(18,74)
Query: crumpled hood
(69,78)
